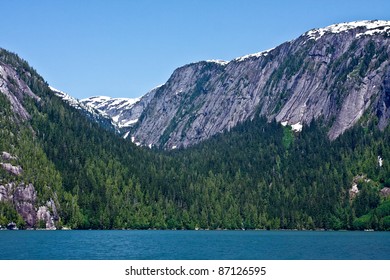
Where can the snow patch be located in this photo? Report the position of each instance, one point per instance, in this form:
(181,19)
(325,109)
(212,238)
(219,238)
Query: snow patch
(239,59)
(75,103)
(218,61)
(297,127)
(254,55)
(66,97)
(354,189)
(107,103)
(371,27)
(116,118)
(127,123)
(380,161)
(126,135)
(374,32)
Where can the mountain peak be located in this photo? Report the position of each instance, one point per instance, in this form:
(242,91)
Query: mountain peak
(368,27)
(294,83)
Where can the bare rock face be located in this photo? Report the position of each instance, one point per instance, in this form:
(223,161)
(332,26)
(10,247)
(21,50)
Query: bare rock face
(336,73)
(15,89)
(383,108)
(8,156)
(15,170)
(6,192)
(385,192)
(44,214)
(24,199)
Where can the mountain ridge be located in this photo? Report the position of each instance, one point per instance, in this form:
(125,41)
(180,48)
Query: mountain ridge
(286,83)
(61,168)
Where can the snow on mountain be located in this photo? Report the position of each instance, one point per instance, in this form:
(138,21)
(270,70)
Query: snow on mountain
(66,97)
(115,108)
(124,112)
(201,99)
(75,103)
(254,55)
(367,27)
(91,111)
(109,103)
(300,83)
(241,58)
(218,61)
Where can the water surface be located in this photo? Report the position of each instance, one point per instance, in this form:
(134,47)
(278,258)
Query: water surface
(198,245)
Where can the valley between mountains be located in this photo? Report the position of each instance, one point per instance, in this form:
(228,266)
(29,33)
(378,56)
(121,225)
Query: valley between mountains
(295,137)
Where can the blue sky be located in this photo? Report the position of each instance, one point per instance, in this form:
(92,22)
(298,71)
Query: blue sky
(125,48)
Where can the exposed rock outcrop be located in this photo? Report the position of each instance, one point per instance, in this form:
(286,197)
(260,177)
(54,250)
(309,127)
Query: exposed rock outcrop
(43,214)
(15,89)
(385,192)
(15,170)
(24,199)
(336,73)
(8,156)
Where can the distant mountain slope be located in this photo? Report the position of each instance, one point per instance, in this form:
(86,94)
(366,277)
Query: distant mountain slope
(337,73)
(90,111)
(124,112)
(59,168)
(113,107)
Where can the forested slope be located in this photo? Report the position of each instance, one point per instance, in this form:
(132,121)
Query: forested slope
(258,175)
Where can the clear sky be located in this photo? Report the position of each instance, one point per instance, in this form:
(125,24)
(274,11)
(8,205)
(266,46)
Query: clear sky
(125,48)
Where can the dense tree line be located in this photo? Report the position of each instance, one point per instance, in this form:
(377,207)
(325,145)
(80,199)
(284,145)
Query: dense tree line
(258,175)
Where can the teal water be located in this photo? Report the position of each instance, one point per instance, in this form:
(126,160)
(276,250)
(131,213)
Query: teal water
(198,245)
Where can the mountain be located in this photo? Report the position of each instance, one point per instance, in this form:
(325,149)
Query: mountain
(117,114)
(124,112)
(114,108)
(337,73)
(30,192)
(60,168)
(91,112)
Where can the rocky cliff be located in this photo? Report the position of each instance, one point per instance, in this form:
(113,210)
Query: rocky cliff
(23,198)
(337,73)
(15,89)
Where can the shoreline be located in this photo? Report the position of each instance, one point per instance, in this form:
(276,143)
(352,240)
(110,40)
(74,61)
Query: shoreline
(199,229)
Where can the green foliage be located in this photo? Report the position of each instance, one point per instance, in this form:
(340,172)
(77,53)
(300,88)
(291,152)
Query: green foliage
(367,199)
(258,175)
(386,223)
(288,137)
(8,214)
(378,218)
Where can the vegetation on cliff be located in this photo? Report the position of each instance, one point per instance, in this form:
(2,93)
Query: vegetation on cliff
(258,175)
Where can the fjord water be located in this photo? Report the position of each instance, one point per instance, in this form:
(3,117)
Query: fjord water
(198,245)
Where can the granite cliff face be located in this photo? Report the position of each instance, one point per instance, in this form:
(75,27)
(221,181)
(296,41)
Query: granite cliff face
(337,73)
(15,89)
(23,197)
